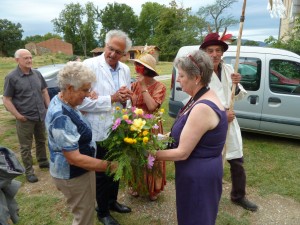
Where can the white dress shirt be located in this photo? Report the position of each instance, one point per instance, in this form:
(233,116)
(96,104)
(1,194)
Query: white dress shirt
(99,112)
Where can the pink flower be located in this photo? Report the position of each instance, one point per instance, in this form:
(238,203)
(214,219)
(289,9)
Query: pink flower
(128,121)
(155,126)
(148,116)
(150,162)
(116,124)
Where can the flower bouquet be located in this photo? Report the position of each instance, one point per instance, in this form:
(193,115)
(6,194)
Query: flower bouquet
(133,141)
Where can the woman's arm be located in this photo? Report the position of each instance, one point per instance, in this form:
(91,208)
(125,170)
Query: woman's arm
(201,119)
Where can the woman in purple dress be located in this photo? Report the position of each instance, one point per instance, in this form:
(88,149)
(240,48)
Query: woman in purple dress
(199,134)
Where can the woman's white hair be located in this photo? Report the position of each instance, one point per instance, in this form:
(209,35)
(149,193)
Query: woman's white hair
(119,34)
(75,74)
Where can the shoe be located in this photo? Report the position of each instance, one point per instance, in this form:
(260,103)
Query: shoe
(153,197)
(246,204)
(32,178)
(117,207)
(108,220)
(44,165)
(132,192)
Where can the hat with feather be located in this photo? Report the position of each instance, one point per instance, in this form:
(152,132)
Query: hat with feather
(216,39)
(146,59)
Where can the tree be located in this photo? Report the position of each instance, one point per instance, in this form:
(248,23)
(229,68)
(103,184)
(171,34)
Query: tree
(117,16)
(176,28)
(214,14)
(10,37)
(148,21)
(77,31)
(250,43)
(40,38)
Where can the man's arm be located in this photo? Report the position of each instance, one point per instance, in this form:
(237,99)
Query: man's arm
(46,97)
(7,102)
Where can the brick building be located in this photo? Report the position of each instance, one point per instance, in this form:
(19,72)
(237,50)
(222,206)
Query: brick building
(52,45)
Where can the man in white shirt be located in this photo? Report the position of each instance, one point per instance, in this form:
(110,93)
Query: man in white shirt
(221,82)
(113,89)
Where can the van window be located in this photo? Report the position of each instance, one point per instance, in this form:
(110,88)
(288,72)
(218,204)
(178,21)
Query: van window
(284,77)
(250,70)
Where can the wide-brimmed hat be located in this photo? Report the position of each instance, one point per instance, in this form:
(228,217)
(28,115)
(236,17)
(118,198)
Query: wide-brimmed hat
(148,61)
(215,39)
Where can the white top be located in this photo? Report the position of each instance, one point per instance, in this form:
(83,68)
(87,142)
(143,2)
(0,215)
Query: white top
(99,112)
(234,144)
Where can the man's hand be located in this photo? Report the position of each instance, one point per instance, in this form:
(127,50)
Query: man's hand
(236,78)
(230,116)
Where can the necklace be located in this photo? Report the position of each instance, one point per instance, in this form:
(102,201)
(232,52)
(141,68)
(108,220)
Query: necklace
(192,100)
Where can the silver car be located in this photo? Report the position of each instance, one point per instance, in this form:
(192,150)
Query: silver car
(272,79)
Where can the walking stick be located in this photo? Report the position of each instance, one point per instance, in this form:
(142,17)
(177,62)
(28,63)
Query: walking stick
(236,67)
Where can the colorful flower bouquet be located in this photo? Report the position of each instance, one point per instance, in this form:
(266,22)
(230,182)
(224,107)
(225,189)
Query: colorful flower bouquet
(132,142)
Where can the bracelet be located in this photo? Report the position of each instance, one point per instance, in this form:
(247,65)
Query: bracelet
(144,91)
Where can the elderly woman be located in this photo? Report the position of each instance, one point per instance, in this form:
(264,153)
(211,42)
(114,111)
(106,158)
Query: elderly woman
(72,152)
(199,134)
(149,94)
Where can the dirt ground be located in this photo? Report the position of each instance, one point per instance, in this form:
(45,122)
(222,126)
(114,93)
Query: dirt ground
(273,209)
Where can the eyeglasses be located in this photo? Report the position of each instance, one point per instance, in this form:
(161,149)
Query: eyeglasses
(111,49)
(194,61)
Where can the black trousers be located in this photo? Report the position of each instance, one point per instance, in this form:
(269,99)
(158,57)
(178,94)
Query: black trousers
(106,189)
(238,179)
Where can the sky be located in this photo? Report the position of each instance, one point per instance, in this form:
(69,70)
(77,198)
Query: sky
(35,15)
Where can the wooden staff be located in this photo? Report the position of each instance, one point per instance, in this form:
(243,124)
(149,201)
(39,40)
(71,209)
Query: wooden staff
(236,67)
(238,46)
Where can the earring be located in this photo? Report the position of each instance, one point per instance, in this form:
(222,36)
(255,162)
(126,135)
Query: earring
(196,83)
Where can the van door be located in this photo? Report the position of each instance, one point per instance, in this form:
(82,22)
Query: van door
(248,110)
(281,113)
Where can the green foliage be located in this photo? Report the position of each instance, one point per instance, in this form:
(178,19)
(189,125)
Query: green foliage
(214,14)
(40,38)
(148,21)
(77,24)
(176,28)
(250,43)
(117,16)
(10,37)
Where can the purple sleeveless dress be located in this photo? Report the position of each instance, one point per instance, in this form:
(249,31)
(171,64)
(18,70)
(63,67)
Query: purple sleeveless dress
(198,179)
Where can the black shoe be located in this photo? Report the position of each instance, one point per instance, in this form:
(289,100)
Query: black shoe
(117,207)
(246,204)
(32,178)
(108,220)
(44,165)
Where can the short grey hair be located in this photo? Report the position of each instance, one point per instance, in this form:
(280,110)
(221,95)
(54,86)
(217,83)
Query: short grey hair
(20,51)
(75,74)
(196,63)
(119,34)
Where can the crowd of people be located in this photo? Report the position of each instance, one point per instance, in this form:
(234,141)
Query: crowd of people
(78,118)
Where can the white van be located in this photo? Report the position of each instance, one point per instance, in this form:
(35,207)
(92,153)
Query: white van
(272,79)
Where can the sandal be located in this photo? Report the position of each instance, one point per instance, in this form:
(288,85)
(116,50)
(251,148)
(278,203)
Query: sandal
(132,192)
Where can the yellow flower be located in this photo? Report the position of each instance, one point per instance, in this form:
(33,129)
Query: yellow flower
(125,117)
(162,110)
(145,140)
(124,110)
(138,111)
(137,125)
(118,108)
(145,133)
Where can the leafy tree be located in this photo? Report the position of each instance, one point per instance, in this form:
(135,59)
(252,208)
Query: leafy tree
(10,37)
(177,27)
(214,14)
(77,24)
(40,38)
(250,43)
(148,21)
(117,16)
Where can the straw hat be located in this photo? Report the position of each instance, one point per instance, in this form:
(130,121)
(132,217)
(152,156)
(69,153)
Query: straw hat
(148,61)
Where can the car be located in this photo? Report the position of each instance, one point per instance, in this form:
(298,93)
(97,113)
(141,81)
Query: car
(50,72)
(272,79)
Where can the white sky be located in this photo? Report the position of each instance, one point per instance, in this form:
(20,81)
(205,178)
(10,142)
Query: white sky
(35,15)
